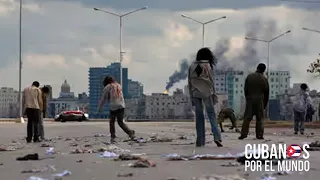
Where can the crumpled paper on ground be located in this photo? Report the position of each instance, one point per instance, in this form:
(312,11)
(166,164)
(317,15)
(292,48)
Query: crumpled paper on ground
(108,154)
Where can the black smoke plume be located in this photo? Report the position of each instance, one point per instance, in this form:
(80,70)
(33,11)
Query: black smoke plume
(243,59)
(179,75)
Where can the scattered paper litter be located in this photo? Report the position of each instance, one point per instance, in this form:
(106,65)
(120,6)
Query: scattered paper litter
(108,154)
(50,151)
(63,174)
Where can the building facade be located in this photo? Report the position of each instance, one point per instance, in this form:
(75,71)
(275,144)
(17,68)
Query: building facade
(135,89)
(231,82)
(67,101)
(96,77)
(9,102)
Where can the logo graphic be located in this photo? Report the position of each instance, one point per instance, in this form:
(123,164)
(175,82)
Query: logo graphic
(294,151)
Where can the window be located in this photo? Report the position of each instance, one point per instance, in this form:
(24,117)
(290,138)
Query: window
(277,80)
(271,79)
(236,92)
(237,79)
(221,84)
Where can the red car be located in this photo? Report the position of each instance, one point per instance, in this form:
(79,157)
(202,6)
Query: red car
(72,116)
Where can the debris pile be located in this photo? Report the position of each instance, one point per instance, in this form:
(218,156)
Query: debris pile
(314,146)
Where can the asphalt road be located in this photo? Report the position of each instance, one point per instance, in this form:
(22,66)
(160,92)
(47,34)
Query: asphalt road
(90,166)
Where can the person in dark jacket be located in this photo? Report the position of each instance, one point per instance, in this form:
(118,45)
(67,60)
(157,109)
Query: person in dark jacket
(202,92)
(45,92)
(227,113)
(256,90)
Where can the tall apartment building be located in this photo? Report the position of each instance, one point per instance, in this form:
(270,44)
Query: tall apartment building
(135,89)
(96,76)
(279,82)
(8,102)
(231,82)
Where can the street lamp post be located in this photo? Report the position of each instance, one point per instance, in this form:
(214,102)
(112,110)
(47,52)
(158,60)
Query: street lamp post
(203,24)
(120,16)
(268,55)
(312,30)
(20,63)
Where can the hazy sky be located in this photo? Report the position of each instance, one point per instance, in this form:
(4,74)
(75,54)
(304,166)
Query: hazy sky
(63,38)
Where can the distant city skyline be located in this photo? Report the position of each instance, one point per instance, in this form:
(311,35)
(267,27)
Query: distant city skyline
(155,40)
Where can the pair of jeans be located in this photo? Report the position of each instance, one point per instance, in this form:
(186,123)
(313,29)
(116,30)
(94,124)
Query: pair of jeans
(200,120)
(299,118)
(34,116)
(118,115)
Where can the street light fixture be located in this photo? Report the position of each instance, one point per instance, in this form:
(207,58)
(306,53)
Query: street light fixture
(120,16)
(203,24)
(312,30)
(268,55)
(20,63)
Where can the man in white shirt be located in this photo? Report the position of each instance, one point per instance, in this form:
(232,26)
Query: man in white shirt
(32,102)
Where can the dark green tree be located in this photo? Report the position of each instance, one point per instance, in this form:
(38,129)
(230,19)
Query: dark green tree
(314,67)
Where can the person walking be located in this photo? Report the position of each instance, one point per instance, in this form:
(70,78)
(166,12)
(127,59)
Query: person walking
(202,92)
(112,93)
(32,101)
(256,91)
(44,92)
(301,102)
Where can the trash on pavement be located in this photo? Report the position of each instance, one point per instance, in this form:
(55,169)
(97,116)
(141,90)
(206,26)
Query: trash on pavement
(36,178)
(80,151)
(79,161)
(231,164)
(177,157)
(219,177)
(45,145)
(108,154)
(3,148)
(46,168)
(116,149)
(63,174)
(101,135)
(50,151)
(142,163)
(128,157)
(314,146)
(32,157)
(125,174)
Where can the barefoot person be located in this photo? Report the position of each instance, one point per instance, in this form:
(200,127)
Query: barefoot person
(32,103)
(112,93)
(202,91)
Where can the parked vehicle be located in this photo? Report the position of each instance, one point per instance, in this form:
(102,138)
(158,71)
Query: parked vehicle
(72,116)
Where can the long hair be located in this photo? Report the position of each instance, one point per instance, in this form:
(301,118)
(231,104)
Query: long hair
(108,80)
(206,54)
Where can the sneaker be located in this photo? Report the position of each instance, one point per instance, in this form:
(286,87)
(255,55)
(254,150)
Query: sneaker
(260,137)
(302,133)
(295,133)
